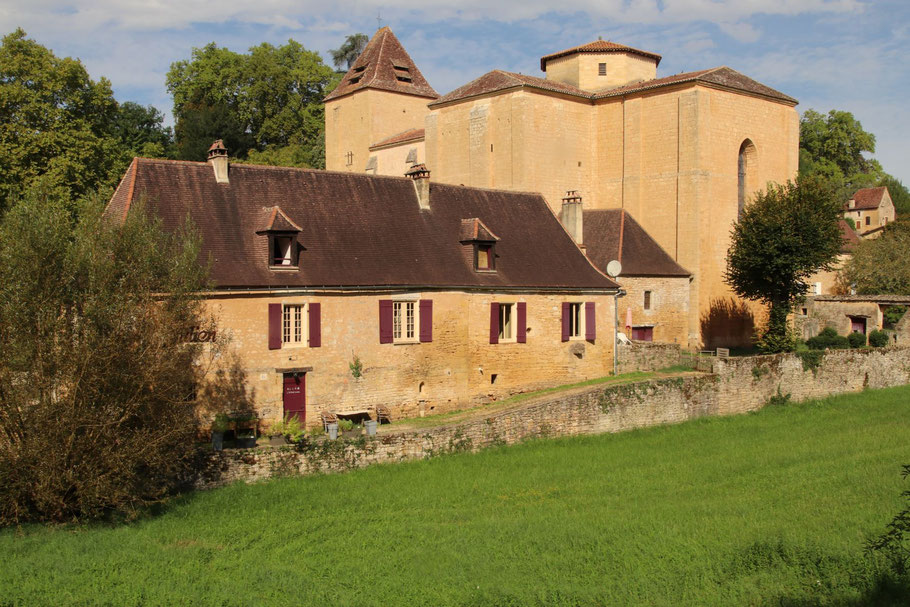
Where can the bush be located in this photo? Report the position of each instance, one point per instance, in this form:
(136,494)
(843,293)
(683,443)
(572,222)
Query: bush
(828,339)
(856,339)
(894,314)
(97,376)
(878,339)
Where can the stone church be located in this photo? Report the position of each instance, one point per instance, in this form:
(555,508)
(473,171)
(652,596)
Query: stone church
(681,154)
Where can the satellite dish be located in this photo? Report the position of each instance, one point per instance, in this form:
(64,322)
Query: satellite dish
(614,268)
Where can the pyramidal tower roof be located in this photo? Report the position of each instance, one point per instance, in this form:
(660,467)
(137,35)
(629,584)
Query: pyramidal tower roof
(384,65)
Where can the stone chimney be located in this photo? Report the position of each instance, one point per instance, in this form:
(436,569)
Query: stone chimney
(571,216)
(218,158)
(421,176)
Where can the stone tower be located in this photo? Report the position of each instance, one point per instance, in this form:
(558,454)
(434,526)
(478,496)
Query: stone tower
(382,95)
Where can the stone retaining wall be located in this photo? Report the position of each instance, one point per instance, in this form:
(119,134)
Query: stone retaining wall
(736,385)
(647,356)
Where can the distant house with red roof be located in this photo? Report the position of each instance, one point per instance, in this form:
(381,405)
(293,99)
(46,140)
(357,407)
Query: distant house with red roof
(870,209)
(446,295)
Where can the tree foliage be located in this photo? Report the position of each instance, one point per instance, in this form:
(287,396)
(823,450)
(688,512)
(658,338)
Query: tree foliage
(345,55)
(879,266)
(96,380)
(266,100)
(834,146)
(59,126)
(785,235)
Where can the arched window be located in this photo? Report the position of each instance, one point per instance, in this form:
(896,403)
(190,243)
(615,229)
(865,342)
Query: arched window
(745,173)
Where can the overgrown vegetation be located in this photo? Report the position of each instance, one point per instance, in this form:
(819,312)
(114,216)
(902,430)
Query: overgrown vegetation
(878,339)
(770,508)
(895,542)
(879,266)
(828,339)
(97,372)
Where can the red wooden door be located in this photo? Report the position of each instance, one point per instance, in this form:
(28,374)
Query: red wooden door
(858,324)
(295,396)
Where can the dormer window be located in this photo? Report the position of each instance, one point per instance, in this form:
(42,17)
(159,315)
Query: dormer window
(283,248)
(402,72)
(480,242)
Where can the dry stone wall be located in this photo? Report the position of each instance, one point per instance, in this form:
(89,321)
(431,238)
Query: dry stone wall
(736,385)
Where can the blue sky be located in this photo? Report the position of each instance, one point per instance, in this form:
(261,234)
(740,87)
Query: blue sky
(841,54)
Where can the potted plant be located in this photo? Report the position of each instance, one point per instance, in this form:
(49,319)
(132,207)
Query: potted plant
(245,427)
(290,430)
(277,433)
(220,425)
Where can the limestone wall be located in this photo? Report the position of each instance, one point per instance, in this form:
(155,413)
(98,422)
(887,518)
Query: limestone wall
(668,309)
(647,356)
(737,385)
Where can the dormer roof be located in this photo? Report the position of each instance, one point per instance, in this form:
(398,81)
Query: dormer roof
(473,230)
(598,46)
(384,65)
(278,221)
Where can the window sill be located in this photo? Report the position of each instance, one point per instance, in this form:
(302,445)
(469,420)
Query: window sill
(484,271)
(409,342)
(288,344)
(284,268)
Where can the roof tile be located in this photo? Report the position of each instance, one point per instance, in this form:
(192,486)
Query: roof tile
(598,46)
(613,234)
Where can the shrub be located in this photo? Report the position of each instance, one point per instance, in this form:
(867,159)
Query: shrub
(856,339)
(828,339)
(878,339)
(97,375)
(893,315)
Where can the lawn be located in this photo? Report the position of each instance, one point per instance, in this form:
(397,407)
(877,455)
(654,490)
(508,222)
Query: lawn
(766,508)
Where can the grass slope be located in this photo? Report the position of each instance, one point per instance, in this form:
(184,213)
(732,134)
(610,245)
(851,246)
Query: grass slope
(767,508)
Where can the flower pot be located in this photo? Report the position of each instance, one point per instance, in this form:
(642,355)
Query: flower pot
(217,441)
(332,430)
(371,427)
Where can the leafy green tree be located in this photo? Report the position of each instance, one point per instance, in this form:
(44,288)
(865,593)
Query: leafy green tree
(141,131)
(96,376)
(900,195)
(346,54)
(55,122)
(879,266)
(785,235)
(268,99)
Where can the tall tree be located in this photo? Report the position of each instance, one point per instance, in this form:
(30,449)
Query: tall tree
(55,122)
(346,54)
(141,131)
(879,266)
(268,99)
(785,235)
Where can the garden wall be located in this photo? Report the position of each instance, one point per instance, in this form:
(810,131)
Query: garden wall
(736,385)
(647,356)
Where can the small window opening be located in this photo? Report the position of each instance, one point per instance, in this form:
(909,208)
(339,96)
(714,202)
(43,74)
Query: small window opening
(355,79)
(403,78)
(493,377)
(484,257)
(601,69)
(282,252)
(575,319)
(647,302)
(361,68)
(868,219)
(349,158)
(505,322)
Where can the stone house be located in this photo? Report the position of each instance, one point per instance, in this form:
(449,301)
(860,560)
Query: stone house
(341,291)
(681,153)
(854,313)
(871,209)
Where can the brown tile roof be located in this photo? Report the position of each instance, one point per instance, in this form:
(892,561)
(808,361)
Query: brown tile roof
(402,137)
(385,65)
(498,80)
(474,229)
(849,236)
(724,77)
(868,198)
(613,234)
(598,46)
(358,230)
(277,221)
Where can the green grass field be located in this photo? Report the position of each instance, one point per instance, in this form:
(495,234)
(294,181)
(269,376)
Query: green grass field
(767,508)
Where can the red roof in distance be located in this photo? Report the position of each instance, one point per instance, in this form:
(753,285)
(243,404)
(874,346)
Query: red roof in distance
(598,46)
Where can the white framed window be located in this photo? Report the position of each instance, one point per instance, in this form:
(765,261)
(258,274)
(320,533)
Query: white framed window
(404,321)
(506,322)
(576,320)
(293,325)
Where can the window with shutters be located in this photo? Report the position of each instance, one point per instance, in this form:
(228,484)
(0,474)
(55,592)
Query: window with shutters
(576,320)
(293,325)
(404,321)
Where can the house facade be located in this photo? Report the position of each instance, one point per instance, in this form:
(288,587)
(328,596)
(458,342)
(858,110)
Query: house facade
(870,209)
(681,153)
(340,292)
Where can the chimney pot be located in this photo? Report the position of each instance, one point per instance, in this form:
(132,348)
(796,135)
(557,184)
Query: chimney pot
(218,158)
(571,216)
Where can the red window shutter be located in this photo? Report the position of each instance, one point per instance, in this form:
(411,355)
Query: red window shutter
(274,326)
(494,323)
(426,320)
(565,321)
(590,324)
(315,312)
(522,329)
(385,321)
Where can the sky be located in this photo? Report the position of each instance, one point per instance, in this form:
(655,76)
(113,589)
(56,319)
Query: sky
(830,54)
